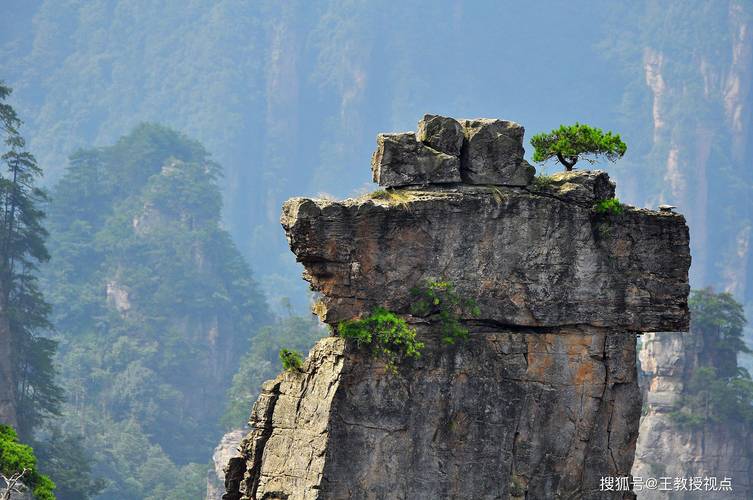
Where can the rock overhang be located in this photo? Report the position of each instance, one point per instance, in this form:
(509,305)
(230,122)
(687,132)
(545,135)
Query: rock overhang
(531,254)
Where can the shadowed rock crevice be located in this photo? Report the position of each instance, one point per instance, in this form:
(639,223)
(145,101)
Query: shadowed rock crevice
(541,400)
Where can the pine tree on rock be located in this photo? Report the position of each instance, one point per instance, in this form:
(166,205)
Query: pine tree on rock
(571,143)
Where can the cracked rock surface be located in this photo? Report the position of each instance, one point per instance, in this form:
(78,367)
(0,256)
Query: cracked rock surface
(541,401)
(528,257)
(448,151)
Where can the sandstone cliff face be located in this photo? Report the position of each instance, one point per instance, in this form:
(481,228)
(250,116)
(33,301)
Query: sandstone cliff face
(540,402)
(667,449)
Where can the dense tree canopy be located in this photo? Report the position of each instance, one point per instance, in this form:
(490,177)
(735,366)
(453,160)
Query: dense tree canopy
(719,391)
(153,306)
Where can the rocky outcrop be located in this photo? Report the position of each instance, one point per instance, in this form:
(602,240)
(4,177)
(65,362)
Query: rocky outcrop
(448,151)
(667,449)
(223,452)
(401,160)
(542,399)
(528,258)
(493,153)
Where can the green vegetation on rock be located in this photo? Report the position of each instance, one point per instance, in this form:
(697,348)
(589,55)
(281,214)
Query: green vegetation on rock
(390,337)
(571,143)
(291,360)
(611,206)
(386,334)
(439,297)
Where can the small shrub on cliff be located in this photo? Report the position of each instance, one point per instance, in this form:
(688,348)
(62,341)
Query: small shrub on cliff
(610,206)
(387,334)
(439,297)
(291,360)
(571,143)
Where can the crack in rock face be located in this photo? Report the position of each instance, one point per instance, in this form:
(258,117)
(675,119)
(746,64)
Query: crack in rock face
(541,400)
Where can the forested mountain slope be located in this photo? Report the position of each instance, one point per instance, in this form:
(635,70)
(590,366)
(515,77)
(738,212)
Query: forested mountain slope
(153,307)
(698,409)
(688,69)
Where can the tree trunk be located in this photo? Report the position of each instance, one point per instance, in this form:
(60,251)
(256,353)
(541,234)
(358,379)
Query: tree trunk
(568,162)
(7,383)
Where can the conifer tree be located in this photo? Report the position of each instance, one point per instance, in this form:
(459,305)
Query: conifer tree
(26,358)
(571,143)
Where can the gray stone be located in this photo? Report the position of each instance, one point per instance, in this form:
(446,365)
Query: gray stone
(547,413)
(580,186)
(401,160)
(441,133)
(527,258)
(493,153)
(223,452)
(542,399)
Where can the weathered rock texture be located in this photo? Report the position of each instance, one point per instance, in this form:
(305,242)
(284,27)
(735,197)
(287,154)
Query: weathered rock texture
(223,452)
(528,258)
(667,449)
(401,160)
(540,402)
(493,153)
(447,151)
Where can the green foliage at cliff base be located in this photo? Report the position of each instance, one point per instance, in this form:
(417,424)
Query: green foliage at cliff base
(15,457)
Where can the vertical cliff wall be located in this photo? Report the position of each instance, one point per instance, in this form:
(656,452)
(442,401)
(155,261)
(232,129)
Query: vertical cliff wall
(670,449)
(542,399)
